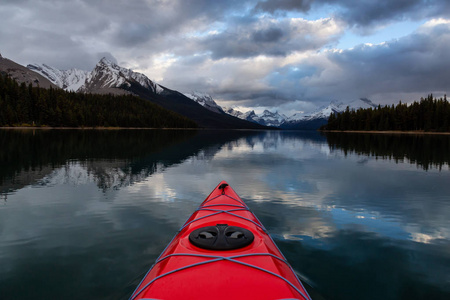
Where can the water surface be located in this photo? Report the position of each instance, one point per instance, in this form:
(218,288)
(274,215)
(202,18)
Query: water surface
(84,214)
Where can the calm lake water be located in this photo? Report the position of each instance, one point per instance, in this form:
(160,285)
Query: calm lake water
(84,214)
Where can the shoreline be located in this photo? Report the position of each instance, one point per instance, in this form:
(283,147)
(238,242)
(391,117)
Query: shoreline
(155,128)
(91,128)
(389,132)
(121,128)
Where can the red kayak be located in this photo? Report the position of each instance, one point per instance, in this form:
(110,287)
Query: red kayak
(221,252)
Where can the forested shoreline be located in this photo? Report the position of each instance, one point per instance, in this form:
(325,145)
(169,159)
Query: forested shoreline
(427,115)
(25,105)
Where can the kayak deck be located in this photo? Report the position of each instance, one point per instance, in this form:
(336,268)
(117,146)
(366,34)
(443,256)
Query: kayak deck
(254,271)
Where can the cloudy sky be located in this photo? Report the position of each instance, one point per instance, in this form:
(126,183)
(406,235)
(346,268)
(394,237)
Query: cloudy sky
(290,55)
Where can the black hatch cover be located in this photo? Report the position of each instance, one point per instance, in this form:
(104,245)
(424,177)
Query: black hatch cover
(221,237)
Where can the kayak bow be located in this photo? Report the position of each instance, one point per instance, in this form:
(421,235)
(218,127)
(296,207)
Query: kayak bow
(221,252)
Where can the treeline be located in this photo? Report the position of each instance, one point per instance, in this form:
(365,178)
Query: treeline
(22,105)
(427,115)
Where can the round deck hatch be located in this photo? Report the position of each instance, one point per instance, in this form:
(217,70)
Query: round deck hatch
(221,237)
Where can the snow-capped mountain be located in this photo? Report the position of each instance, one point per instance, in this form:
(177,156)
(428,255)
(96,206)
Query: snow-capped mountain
(363,103)
(233,112)
(70,80)
(320,117)
(271,119)
(321,113)
(107,75)
(250,116)
(206,101)
(300,120)
(333,107)
(267,118)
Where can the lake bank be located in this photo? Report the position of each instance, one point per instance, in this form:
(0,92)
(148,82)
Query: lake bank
(155,128)
(92,128)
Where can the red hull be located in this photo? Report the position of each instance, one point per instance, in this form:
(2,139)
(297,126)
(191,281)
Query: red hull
(255,271)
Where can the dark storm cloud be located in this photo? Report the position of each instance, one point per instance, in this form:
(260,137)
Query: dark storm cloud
(133,34)
(95,26)
(271,37)
(273,6)
(363,13)
(368,12)
(156,20)
(272,98)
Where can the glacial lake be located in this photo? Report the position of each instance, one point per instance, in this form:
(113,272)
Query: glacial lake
(85,213)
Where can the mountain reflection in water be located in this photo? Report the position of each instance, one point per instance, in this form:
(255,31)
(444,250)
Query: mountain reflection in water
(113,158)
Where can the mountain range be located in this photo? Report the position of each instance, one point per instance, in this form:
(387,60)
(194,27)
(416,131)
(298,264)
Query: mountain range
(311,121)
(299,121)
(109,78)
(267,118)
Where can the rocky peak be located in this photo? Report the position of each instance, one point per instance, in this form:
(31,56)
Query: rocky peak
(206,101)
(249,114)
(108,75)
(105,61)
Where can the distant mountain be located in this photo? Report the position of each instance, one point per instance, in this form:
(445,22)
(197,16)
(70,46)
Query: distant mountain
(320,117)
(233,112)
(251,116)
(300,121)
(271,119)
(206,101)
(178,102)
(69,80)
(267,118)
(22,74)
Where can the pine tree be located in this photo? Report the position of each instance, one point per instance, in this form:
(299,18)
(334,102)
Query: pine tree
(428,115)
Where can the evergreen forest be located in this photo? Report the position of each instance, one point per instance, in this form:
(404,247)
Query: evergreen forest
(429,115)
(25,105)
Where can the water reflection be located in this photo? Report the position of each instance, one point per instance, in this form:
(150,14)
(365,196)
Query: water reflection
(427,151)
(113,158)
(354,223)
